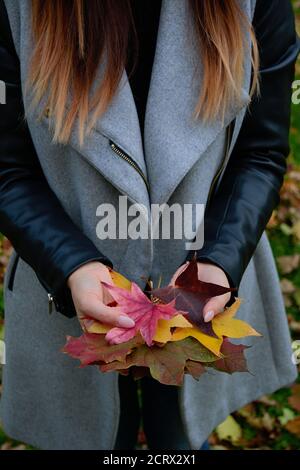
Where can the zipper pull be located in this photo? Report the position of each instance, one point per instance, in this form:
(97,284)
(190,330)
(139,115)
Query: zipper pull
(50,303)
(118,151)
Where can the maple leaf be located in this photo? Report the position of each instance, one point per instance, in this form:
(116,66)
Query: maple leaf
(98,328)
(194,368)
(119,280)
(93,348)
(190,295)
(233,358)
(174,346)
(225,325)
(136,305)
(93,326)
(167,364)
(183,329)
(163,332)
(178,327)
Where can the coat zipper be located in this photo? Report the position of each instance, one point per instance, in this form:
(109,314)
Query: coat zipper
(229,133)
(129,160)
(10,284)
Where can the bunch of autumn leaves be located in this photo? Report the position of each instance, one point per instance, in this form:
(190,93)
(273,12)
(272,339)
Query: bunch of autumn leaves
(170,337)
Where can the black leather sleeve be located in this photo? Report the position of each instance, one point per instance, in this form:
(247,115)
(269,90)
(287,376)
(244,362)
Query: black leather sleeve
(248,192)
(31,216)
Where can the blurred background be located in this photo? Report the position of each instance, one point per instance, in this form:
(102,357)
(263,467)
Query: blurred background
(273,422)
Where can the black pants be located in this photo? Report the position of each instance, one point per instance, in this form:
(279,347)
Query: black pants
(157,406)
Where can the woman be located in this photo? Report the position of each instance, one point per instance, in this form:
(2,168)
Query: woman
(206,136)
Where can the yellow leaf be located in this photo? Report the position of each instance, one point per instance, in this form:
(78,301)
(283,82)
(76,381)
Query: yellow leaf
(229,430)
(179,321)
(213,344)
(225,325)
(163,331)
(230,312)
(184,329)
(120,281)
(98,328)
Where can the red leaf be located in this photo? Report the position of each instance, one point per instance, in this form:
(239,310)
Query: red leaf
(234,359)
(190,295)
(194,368)
(140,308)
(93,348)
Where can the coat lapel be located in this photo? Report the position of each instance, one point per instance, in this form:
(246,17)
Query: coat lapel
(120,125)
(173,142)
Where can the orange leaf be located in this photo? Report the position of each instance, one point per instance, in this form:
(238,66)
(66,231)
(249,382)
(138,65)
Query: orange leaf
(119,280)
(225,325)
(211,343)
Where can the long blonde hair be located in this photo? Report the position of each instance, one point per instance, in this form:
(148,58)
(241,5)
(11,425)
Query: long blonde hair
(70,37)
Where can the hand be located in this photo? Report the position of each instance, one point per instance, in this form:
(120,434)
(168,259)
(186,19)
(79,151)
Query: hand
(209,272)
(90,297)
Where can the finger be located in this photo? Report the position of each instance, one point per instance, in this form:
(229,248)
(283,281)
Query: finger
(214,306)
(106,277)
(109,315)
(106,296)
(177,273)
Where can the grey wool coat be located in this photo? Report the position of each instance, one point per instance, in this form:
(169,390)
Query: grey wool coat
(47,400)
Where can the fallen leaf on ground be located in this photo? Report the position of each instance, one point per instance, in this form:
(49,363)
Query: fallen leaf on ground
(287,287)
(287,415)
(287,264)
(229,430)
(296,230)
(294,399)
(293,426)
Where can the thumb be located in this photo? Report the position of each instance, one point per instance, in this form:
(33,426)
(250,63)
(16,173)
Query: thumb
(214,306)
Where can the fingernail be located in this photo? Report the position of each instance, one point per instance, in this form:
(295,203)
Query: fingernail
(209,316)
(125,322)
